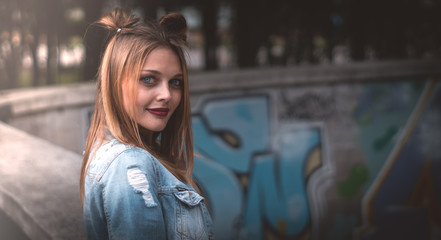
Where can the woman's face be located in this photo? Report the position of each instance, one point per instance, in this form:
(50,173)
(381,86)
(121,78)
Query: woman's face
(159,90)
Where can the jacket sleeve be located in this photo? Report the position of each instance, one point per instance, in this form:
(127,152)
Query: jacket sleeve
(130,199)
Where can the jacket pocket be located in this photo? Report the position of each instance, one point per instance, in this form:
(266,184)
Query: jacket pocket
(190,219)
(189,197)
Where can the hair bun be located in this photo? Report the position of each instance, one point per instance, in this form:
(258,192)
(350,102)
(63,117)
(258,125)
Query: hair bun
(175,24)
(118,19)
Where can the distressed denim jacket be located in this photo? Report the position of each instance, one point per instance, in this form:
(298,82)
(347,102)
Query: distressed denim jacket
(129,194)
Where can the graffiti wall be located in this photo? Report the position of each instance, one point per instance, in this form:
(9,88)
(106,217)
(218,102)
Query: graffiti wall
(344,161)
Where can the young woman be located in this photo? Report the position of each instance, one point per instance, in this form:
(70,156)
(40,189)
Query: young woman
(136,179)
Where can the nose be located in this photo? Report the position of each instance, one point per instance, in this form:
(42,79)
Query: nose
(163,93)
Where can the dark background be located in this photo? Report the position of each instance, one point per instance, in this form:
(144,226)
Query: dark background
(45,42)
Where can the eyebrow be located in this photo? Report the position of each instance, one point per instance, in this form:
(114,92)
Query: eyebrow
(159,73)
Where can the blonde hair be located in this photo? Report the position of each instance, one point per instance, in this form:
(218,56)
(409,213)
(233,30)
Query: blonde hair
(120,68)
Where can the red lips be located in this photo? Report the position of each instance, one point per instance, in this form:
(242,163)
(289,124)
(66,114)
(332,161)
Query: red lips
(162,112)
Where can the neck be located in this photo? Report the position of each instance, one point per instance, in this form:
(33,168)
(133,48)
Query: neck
(146,136)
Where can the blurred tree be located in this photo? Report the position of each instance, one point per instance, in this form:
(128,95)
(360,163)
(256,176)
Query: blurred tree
(393,29)
(252,24)
(149,8)
(51,20)
(289,31)
(27,29)
(14,25)
(34,43)
(383,28)
(298,22)
(93,40)
(209,10)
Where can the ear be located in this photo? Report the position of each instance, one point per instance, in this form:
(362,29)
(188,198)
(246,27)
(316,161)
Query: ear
(175,24)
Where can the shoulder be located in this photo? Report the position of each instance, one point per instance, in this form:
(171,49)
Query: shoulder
(113,156)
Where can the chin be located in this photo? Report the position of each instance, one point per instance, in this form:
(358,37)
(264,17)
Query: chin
(152,125)
(154,128)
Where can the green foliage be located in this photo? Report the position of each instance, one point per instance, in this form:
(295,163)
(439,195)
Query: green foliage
(354,182)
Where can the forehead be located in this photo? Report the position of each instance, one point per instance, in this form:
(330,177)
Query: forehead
(162,59)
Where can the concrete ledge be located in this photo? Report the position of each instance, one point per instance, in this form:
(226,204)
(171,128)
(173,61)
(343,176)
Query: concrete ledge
(310,75)
(39,186)
(21,102)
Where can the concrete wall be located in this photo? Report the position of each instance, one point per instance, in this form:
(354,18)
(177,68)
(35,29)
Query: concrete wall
(58,114)
(39,187)
(334,152)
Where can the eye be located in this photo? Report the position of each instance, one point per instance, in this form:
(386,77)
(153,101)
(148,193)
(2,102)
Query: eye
(176,83)
(147,79)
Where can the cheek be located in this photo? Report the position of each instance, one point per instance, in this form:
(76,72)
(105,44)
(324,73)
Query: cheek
(142,98)
(177,98)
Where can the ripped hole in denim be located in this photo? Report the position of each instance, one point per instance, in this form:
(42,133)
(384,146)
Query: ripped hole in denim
(139,182)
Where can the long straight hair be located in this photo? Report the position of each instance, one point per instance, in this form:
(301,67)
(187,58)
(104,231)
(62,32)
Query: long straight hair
(118,75)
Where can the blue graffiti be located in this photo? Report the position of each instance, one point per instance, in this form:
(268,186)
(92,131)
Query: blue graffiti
(247,118)
(257,185)
(277,194)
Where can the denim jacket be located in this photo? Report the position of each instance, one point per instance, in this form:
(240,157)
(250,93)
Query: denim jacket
(129,194)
